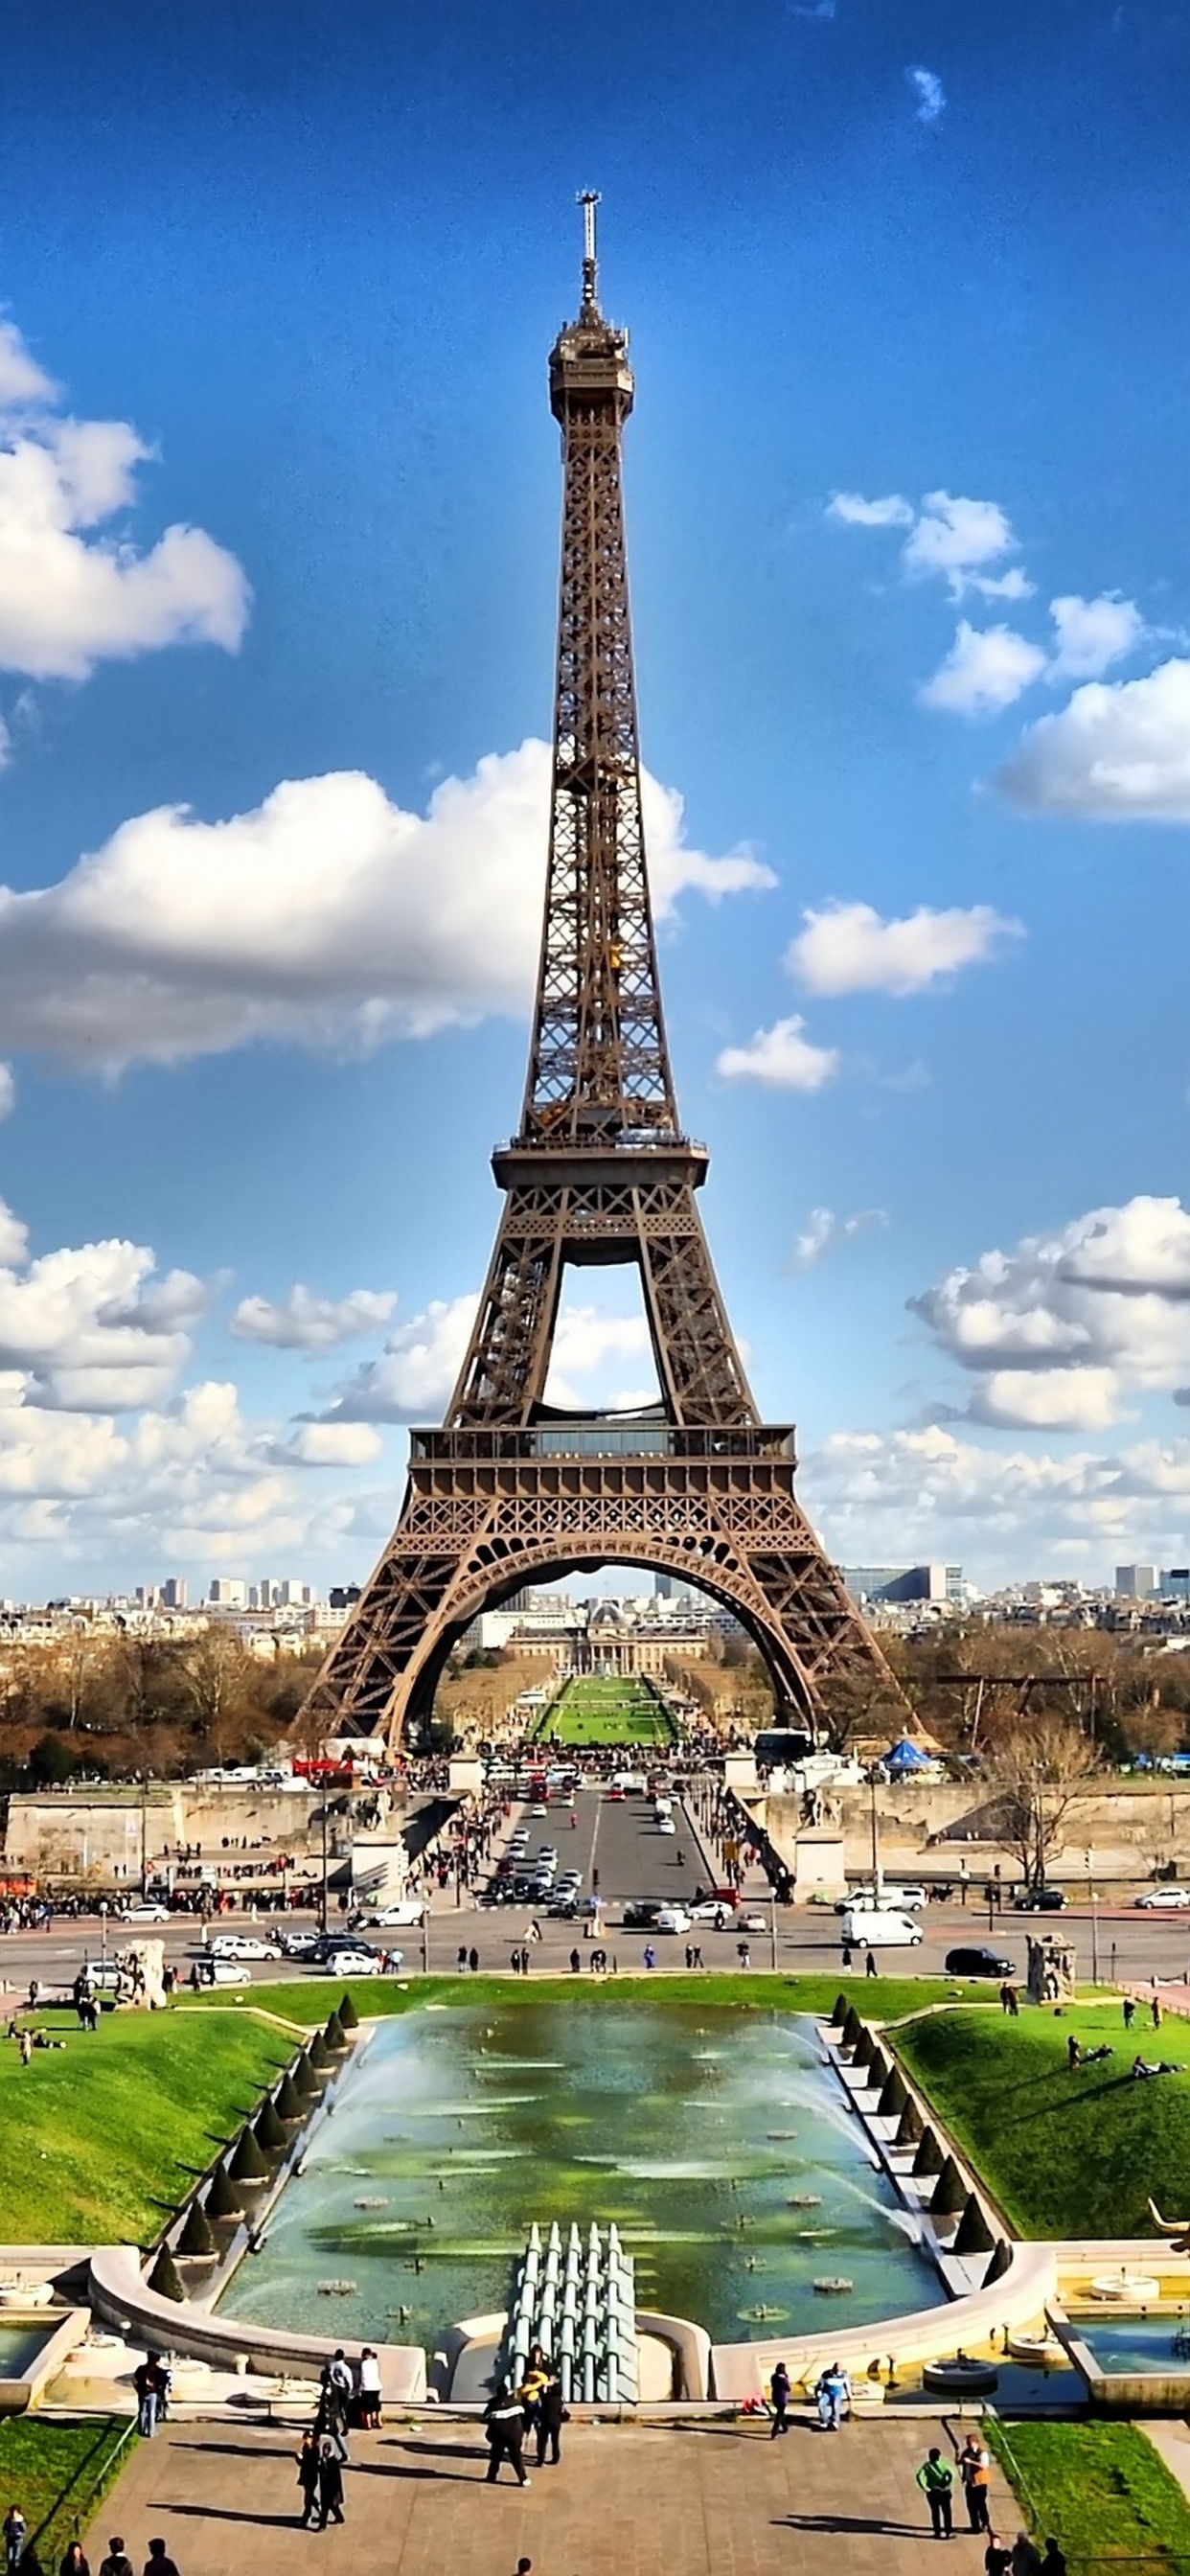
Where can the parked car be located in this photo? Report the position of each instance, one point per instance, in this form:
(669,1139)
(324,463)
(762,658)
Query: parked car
(979,1961)
(1160,1900)
(1040,1900)
(881,1928)
(243,1945)
(904,1900)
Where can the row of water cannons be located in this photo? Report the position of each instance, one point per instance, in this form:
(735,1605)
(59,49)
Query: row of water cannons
(579,2303)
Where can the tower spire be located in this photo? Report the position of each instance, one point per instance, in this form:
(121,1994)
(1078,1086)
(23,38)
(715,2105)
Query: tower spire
(588,200)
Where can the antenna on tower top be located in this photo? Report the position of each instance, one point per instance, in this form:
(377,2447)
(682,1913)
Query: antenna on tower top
(588,200)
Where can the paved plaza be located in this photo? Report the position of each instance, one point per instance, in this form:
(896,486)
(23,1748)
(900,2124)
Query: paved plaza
(713,2499)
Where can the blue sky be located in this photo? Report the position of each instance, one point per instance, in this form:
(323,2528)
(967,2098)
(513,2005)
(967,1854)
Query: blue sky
(908,519)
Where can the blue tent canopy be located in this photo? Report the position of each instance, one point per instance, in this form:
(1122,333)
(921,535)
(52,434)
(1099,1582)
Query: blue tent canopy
(907,1756)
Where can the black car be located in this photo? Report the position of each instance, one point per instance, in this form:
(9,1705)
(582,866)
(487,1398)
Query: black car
(979,1962)
(1040,1900)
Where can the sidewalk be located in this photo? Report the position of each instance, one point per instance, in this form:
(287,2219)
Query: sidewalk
(627,2500)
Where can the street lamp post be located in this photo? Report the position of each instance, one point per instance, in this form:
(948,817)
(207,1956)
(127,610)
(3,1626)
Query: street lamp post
(325,1864)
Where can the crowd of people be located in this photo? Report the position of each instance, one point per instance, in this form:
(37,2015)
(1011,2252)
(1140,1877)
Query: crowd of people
(21,2553)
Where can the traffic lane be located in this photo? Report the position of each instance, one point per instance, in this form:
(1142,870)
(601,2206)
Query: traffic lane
(1135,1943)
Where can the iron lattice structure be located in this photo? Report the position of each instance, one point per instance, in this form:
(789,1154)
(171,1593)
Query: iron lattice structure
(511,1491)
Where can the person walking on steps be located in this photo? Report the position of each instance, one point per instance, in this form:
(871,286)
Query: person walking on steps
(504,2421)
(780,2392)
(975,2469)
(936,2480)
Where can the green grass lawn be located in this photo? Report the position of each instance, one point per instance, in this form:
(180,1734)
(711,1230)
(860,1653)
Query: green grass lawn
(1101,2490)
(1065,2153)
(57,2474)
(308,2001)
(98,2143)
(597,1709)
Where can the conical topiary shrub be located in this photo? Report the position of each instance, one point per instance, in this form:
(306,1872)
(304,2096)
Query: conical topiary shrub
(318,2054)
(247,2163)
(165,2277)
(267,2129)
(878,2070)
(974,2236)
(839,2011)
(1001,2262)
(306,2083)
(865,2047)
(894,2097)
(223,2200)
(348,2016)
(949,2194)
(335,2036)
(928,2159)
(196,2238)
(852,2026)
(909,2127)
(288,2100)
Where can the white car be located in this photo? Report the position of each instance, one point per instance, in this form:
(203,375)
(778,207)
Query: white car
(866,1900)
(243,1945)
(360,1963)
(1159,1900)
(672,1918)
(539,1808)
(666,1825)
(752,1922)
(402,1917)
(880,1928)
(146,1914)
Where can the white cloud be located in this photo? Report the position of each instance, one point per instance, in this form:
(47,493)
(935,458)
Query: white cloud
(847,948)
(928,91)
(930,1494)
(303,1322)
(69,597)
(328,917)
(955,535)
(1093,633)
(782,1058)
(332,1444)
(1064,1327)
(852,511)
(985,669)
(413,1379)
(92,1328)
(1120,752)
(823,1230)
(1014,584)
(8,1091)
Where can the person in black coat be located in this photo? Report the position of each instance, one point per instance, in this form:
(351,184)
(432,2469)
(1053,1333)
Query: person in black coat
(330,2488)
(504,2422)
(309,2463)
(550,2417)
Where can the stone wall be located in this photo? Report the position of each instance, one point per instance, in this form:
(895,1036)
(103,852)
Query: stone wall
(1128,1830)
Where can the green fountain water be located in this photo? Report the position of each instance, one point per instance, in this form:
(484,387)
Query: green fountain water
(718,2141)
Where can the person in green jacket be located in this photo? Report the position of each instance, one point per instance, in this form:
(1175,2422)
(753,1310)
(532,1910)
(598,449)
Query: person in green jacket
(936,2480)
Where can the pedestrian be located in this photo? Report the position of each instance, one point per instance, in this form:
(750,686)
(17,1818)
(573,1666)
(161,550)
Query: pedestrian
(997,2557)
(551,2416)
(975,2469)
(117,2561)
(369,2390)
(1155,2009)
(473,1961)
(75,2562)
(650,1955)
(696,1961)
(1054,2561)
(159,2562)
(936,2480)
(575,1962)
(780,2392)
(307,2478)
(461,1961)
(330,2488)
(334,2391)
(1073,2052)
(1129,2011)
(148,2390)
(870,1967)
(15,2528)
(504,2422)
(833,2393)
(1026,2556)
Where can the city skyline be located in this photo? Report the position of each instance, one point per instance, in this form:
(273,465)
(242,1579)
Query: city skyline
(278,504)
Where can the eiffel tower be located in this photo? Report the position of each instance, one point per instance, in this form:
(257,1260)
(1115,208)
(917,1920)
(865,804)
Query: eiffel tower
(511,1490)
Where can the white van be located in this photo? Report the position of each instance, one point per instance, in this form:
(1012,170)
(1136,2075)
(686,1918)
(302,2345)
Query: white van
(880,1928)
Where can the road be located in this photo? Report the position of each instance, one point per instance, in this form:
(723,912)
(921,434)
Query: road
(633,1860)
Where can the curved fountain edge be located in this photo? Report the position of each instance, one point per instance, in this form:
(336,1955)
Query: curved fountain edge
(121,2296)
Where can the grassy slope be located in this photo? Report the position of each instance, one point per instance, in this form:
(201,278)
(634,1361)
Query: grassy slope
(57,2474)
(594,1711)
(1101,2489)
(1066,2154)
(97,2143)
(308,2002)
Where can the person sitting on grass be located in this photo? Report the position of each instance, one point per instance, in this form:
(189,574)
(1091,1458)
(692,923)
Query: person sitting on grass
(1143,2066)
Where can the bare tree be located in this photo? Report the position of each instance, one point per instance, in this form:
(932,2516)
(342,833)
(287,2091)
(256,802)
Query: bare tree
(1037,1774)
